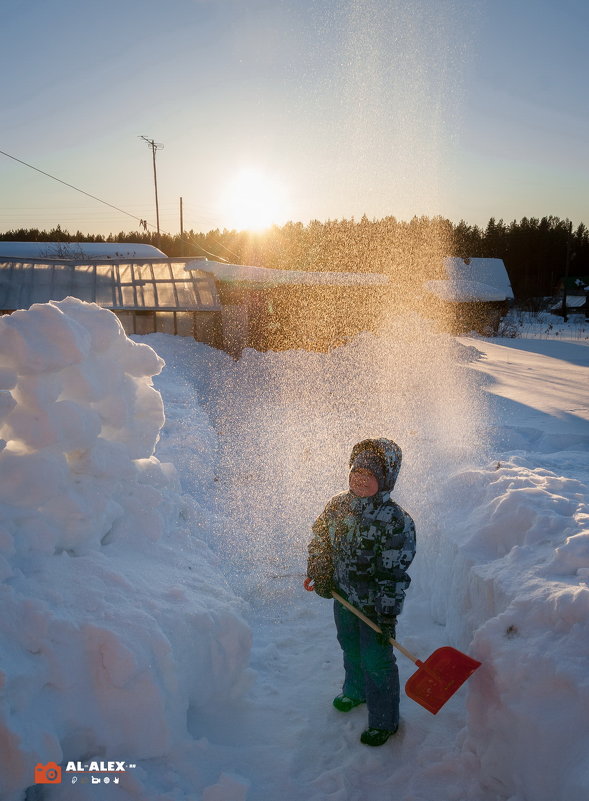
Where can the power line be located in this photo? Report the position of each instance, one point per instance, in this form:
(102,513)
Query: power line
(71,186)
(110,205)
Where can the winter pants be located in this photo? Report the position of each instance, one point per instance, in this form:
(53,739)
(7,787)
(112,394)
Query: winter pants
(371,669)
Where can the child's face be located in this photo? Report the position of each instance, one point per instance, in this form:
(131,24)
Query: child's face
(363,483)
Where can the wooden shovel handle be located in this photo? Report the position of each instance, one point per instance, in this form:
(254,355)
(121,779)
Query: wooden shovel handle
(376,628)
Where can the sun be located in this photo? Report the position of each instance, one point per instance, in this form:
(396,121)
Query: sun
(253,200)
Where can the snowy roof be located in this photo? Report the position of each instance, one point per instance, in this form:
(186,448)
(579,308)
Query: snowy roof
(472,280)
(464,291)
(265,277)
(573,302)
(160,284)
(78,250)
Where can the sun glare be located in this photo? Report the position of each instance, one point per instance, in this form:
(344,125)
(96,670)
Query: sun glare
(253,201)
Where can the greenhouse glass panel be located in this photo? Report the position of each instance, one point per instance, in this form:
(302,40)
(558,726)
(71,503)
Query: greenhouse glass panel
(62,281)
(84,283)
(166,296)
(127,321)
(161,272)
(15,281)
(105,286)
(23,286)
(42,284)
(203,287)
(184,324)
(165,286)
(146,294)
(145,322)
(186,297)
(164,322)
(126,276)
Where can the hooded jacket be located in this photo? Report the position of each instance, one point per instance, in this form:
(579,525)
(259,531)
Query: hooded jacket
(365,545)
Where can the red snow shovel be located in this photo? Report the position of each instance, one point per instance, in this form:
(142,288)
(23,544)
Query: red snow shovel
(437,679)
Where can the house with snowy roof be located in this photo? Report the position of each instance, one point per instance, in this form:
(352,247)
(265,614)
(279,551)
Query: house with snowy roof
(574,296)
(473,296)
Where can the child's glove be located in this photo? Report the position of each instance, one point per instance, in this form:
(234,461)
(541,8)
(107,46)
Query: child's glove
(387,624)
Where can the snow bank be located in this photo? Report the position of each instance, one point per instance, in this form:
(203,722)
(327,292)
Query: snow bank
(514,559)
(116,620)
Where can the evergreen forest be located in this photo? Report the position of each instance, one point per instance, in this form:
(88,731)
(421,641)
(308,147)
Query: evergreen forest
(538,253)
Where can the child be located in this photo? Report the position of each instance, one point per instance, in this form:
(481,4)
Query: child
(363,544)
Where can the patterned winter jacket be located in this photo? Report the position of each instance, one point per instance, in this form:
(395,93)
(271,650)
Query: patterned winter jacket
(365,545)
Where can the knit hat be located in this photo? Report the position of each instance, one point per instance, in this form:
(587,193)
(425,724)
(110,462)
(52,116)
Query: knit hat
(369,460)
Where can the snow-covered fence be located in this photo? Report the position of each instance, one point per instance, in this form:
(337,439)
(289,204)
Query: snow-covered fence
(543,325)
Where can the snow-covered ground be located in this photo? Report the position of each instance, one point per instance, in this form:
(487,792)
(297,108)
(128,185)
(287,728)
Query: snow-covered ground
(150,627)
(495,436)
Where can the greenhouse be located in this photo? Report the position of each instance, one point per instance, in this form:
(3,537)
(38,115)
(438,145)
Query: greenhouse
(147,295)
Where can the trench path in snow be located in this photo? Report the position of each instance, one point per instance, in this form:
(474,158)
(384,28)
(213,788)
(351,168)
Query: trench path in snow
(285,735)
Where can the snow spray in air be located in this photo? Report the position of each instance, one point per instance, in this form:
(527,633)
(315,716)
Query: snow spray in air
(289,419)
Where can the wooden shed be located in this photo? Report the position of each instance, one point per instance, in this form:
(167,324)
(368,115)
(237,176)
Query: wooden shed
(270,309)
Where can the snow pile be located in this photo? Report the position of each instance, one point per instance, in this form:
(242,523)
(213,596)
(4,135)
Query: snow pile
(116,621)
(514,559)
(520,580)
(80,416)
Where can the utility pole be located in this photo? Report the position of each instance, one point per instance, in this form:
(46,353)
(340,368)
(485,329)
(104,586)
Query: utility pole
(181,219)
(155,146)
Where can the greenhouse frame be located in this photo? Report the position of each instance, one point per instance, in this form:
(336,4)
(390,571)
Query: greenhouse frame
(147,295)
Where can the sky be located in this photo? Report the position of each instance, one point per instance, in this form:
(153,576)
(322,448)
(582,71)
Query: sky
(277,110)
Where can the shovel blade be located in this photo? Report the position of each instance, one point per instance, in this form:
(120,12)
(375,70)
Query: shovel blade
(439,677)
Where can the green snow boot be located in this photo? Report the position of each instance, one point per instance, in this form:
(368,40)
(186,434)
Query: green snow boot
(376,736)
(344,703)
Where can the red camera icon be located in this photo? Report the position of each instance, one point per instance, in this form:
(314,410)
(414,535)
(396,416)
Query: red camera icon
(47,774)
